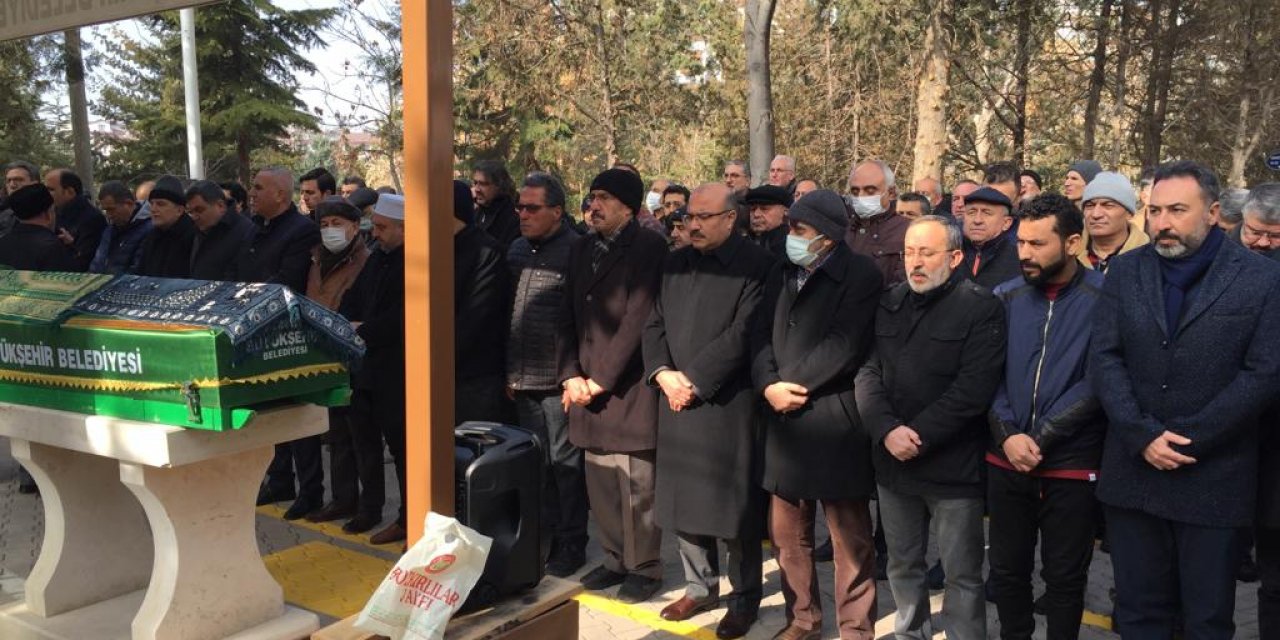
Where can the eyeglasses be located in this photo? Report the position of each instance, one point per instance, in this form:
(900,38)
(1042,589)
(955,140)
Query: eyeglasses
(705,217)
(1273,237)
(531,208)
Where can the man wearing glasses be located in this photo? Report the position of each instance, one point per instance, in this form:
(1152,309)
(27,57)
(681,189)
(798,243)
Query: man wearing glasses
(697,351)
(736,175)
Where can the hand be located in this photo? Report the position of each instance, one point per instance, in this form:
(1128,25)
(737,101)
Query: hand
(1023,452)
(1160,453)
(356,325)
(594,388)
(66,237)
(677,387)
(903,443)
(576,392)
(786,397)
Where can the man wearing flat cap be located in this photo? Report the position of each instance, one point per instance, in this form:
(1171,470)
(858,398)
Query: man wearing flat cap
(815,332)
(166,253)
(768,205)
(375,307)
(697,351)
(32,245)
(1111,229)
(990,249)
(613,280)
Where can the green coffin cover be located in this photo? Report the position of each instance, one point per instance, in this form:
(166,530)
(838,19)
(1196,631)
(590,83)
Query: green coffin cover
(180,370)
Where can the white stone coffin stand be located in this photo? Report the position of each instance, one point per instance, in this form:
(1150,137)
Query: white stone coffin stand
(149,529)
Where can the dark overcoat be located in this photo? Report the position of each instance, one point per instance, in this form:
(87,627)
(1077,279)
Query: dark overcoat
(600,331)
(818,336)
(701,326)
(214,252)
(937,361)
(31,247)
(1208,379)
(280,251)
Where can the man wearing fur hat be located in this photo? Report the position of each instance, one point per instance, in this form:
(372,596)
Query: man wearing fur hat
(32,245)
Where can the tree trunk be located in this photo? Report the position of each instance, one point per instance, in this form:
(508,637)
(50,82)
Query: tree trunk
(1097,79)
(607,110)
(1022,74)
(1246,137)
(1162,38)
(759,94)
(242,158)
(1125,38)
(931,97)
(74,60)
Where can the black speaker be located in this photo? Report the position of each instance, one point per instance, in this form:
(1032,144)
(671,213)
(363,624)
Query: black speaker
(498,473)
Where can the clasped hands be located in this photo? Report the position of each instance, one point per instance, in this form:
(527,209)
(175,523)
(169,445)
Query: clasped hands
(677,387)
(786,397)
(580,391)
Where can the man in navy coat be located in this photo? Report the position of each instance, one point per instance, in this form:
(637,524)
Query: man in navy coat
(1185,356)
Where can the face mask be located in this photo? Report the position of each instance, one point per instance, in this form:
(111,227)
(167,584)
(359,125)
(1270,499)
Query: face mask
(653,201)
(867,206)
(334,239)
(798,250)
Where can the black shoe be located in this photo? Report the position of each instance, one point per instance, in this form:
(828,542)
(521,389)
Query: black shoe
(361,523)
(636,589)
(823,552)
(1039,607)
(601,578)
(567,558)
(28,489)
(300,508)
(936,578)
(1248,571)
(267,496)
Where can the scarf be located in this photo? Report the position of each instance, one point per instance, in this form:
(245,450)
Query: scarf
(1181,274)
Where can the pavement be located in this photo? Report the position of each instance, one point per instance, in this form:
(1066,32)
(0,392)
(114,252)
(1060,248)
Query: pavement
(331,573)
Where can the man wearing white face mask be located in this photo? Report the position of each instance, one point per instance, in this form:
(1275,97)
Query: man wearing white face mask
(817,331)
(875,228)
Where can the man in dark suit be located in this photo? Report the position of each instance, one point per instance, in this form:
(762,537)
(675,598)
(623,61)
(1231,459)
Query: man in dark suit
(815,333)
(612,283)
(696,351)
(1185,355)
(80,224)
(990,248)
(220,232)
(924,396)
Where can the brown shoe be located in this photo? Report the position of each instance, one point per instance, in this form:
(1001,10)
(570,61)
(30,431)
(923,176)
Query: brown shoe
(792,632)
(687,607)
(735,624)
(392,533)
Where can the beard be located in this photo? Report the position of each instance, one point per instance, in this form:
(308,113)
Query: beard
(1046,272)
(935,279)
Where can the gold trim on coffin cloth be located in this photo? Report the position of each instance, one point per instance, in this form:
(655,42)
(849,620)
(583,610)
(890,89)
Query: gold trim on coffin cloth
(131,325)
(9,375)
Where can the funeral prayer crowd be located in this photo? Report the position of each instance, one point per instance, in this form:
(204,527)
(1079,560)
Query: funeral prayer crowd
(1089,364)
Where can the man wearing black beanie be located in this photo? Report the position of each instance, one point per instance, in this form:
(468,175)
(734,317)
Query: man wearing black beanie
(32,245)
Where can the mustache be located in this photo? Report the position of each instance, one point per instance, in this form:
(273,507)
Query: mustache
(696,234)
(919,271)
(1027,264)
(1168,235)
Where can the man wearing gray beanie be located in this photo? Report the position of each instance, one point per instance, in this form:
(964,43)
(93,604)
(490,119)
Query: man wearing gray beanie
(1079,174)
(1109,204)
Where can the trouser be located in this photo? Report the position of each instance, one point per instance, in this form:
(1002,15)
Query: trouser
(1267,540)
(482,399)
(620,490)
(700,557)
(957,524)
(24,477)
(303,456)
(849,522)
(1163,567)
(355,456)
(564,498)
(1060,513)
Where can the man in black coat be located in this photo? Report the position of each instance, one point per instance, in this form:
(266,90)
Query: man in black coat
(1261,217)
(166,252)
(697,351)
(120,250)
(220,235)
(375,306)
(493,192)
(481,302)
(924,396)
(768,205)
(815,333)
(1185,356)
(990,248)
(80,224)
(539,263)
(280,253)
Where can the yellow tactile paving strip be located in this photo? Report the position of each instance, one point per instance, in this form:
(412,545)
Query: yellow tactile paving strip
(331,529)
(644,617)
(327,579)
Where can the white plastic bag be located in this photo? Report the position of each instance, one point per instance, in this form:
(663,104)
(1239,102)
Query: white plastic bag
(428,584)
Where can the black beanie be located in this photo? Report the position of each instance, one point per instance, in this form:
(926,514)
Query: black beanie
(363,197)
(823,210)
(168,188)
(623,185)
(336,206)
(464,207)
(30,201)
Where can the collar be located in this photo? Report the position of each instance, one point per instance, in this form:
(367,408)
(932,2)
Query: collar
(929,297)
(621,234)
(726,251)
(559,231)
